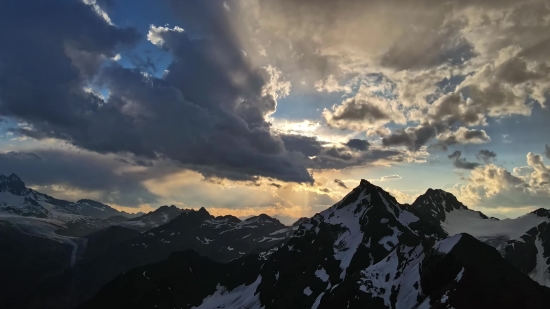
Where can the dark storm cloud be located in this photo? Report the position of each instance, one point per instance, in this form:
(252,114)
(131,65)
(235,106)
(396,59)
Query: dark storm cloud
(340,183)
(307,145)
(460,162)
(486,156)
(53,46)
(207,113)
(548,151)
(338,153)
(355,152)
(44,168)
(358,144)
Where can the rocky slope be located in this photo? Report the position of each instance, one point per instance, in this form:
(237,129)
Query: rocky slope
(367,251)
(119,249)
(523,241)
(153,219)
(66,218)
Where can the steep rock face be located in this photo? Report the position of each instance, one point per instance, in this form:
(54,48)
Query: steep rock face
(531,253)
(364,252)
(522,241)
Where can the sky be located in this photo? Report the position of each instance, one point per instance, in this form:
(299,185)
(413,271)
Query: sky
(277,106)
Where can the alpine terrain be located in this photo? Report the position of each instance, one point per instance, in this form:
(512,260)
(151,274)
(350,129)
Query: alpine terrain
(367,251)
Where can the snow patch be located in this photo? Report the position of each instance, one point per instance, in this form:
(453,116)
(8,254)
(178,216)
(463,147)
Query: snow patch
(540,273)
(322,274)
(317,301)
(446,245)
(243,296)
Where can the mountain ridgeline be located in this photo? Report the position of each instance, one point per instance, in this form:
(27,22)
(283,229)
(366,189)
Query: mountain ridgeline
(366,251)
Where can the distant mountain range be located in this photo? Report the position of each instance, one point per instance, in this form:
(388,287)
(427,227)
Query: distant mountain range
(366,251)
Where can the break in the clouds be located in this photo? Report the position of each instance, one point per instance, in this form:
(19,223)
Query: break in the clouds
(151,90)
(208,113)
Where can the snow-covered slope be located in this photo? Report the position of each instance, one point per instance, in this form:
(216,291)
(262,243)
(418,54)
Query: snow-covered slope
(366,251)
(442,208)
(523,241)
(120,249)
(73,219)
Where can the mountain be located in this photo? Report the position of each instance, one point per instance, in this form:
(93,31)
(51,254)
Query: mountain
(66,218)
(366,251)
(119,249)
(155,218)
(98,210)
(523,241)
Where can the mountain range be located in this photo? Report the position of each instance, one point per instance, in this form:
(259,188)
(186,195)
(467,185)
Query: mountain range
(366,251)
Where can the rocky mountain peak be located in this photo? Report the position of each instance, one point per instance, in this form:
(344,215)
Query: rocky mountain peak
(542,212)
(12,184)
(438,200)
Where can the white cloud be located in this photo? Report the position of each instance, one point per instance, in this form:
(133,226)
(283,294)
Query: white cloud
(155,34)
(493,186)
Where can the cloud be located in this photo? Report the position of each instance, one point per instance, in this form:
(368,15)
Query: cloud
(411,137)
(321,155)
(220,133)
(60,174)
(390,177)
(459,162)
(353,113)
(358,144)
(188,188)
(464,136)
(486,156)
(307,145)
(340,183)
(494,187)
(548,151)
(483,61)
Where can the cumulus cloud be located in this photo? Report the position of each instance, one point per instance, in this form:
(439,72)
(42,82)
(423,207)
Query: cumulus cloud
(483,61)
(460,162)
(411,137)
(357,114)
(548,151)
(464,136)
(486,156)
(492,186)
